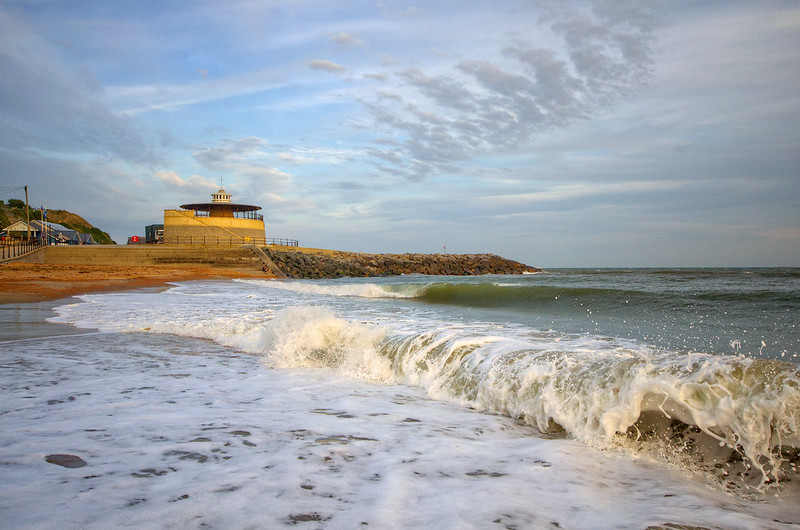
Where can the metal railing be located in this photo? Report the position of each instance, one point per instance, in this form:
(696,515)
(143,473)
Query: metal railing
(283,242)
(214,240)
(16,249)
(236,215)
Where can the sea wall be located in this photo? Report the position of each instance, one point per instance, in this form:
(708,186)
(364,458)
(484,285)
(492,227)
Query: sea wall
(180,256)
(299,264)
(280,262)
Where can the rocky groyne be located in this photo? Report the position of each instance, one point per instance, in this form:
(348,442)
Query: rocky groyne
(299,264)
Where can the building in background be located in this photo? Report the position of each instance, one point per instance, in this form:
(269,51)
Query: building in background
(154,234)
(219,222)
(47,233)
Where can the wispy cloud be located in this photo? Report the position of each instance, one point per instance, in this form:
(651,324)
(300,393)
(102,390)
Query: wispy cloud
(498,102)
(193,182)
(247,159)
(53,109)
(328,66)
(347,39)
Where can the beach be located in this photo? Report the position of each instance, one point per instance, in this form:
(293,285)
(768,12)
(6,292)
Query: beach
(36,282)
(399,402)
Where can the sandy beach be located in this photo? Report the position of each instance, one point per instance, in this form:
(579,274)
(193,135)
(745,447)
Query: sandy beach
(33,282)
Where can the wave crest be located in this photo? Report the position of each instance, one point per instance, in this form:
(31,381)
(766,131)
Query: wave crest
(313,337)
(602,394)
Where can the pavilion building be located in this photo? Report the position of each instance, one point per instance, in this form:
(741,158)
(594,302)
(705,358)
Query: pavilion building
(219,222)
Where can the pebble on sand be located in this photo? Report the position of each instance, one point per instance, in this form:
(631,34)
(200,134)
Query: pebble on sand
(66,460)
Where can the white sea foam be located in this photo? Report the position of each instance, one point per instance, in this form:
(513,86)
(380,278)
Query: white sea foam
(595,389)
(182,433)
(361,290)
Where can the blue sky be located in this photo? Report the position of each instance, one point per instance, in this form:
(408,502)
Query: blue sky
(606,133)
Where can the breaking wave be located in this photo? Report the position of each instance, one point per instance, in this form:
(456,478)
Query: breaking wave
(740,416)
(736,417)
(515,295)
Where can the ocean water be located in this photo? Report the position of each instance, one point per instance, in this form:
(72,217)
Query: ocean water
(566,399)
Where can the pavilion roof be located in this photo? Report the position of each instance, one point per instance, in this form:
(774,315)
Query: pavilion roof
(229,206)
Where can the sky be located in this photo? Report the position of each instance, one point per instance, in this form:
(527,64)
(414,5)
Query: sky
(561,134)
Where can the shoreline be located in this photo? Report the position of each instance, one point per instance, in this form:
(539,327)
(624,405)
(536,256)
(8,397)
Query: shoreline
(73,272)
(35,282)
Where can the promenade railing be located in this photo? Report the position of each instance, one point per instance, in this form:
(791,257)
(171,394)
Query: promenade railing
(214,240)
(283,242)
(16,249)
(229,241)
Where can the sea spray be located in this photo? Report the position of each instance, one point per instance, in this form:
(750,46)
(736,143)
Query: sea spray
(753,313)
(604,391)
(363,290)
(175,428)
(313,337)
(594,391)
(597,394)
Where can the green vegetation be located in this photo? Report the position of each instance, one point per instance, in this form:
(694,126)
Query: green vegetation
(101,237)
(14,211)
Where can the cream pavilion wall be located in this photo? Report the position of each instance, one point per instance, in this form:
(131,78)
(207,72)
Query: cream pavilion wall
(185,226)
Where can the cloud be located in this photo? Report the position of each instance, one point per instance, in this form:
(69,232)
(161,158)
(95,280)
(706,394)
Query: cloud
(499,101)
(247,159)
(52,109)
(323,156)
(229,151)
(194,181)
(328,66)
(136,99)
(347,39)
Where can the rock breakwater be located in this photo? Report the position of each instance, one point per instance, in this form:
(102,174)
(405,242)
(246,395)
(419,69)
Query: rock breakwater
(299,264)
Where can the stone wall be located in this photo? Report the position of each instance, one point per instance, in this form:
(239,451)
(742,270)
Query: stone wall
(298,264)
(156,255)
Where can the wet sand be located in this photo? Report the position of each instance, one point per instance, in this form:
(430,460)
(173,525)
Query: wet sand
(35,282)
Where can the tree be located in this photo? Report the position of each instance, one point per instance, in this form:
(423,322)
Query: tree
(16,203)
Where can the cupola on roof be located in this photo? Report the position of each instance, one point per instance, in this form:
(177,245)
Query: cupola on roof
(221,196)
(220,202)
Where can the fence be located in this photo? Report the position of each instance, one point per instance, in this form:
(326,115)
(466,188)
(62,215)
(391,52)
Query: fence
(237,215)
(229,241)
(214,240)
(283,242)
(19,248)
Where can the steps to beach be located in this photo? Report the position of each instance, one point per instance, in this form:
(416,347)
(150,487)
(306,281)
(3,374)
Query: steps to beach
(268,263)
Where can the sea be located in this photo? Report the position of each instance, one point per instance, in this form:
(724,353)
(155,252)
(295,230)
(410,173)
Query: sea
(570,398)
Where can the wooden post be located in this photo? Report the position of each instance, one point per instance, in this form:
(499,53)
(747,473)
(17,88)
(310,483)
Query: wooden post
(28,211)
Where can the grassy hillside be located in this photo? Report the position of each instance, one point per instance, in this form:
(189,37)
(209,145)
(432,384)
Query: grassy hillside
(14,210)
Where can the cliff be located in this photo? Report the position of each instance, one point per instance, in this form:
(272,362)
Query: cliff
(298,264)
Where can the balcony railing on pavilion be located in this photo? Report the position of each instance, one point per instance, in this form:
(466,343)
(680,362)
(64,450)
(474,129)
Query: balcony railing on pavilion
(237,215)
